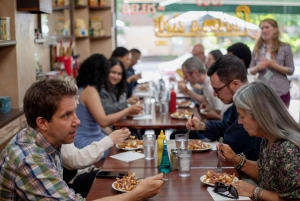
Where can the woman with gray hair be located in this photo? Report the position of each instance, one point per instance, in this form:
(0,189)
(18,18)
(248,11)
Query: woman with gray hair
(277,171)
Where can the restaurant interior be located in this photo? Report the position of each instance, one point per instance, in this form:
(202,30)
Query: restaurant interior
(42,39)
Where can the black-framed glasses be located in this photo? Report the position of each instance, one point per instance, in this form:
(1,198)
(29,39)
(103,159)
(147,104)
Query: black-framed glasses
(219,89)
(226,191)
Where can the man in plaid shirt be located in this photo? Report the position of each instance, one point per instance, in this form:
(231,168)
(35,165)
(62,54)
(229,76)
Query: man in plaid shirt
(30,165)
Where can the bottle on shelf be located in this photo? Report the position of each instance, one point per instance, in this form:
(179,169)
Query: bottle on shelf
(160,146)
(172,106)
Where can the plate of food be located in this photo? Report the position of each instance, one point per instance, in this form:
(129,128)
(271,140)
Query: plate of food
(181,114)
(184,103)
(126,184)
(130,144)
(198,145)
(211,177)
(136,115)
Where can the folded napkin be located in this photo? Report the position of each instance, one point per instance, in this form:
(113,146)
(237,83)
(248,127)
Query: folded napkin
(128,156)
(218,197)
(146,116)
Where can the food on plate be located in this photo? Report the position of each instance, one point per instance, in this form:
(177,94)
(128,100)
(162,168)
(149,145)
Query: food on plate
(198,144)
(127,183)
(181,114)
(143,87)
(140,113)
(184,103)
(130,143)
(213,177)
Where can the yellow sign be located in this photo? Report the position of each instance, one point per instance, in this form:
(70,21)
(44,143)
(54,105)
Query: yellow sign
(209,27)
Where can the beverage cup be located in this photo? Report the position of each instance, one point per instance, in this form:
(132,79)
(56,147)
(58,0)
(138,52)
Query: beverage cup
(184,162)
(181,141)
(147,108)
(149,142)
(164,107)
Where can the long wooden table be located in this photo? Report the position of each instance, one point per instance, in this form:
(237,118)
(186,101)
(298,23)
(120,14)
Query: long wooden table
(158,121)
(176,188)
(199,159)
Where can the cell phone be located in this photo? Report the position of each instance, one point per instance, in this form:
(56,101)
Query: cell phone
(111,175)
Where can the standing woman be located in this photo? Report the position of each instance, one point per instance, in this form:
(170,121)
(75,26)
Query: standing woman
(92,75)
(273,60)
(113,94)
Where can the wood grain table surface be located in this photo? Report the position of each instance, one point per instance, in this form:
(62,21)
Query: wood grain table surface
(175,189)
(158,121)
(199,159)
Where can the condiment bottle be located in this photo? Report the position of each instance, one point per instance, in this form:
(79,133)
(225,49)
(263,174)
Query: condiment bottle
(165,166)
(160,146)
(172,106)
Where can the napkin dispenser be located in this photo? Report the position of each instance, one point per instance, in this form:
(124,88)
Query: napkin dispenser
(5,104)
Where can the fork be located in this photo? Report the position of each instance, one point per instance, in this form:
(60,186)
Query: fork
(219,167)
(189,129)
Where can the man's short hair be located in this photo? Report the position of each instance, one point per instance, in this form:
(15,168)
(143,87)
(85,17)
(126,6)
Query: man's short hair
(43,97)
(194,63)
(242,51)
(135,51)
(228,68)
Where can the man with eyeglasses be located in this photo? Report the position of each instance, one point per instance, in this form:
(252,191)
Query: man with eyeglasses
(227,75)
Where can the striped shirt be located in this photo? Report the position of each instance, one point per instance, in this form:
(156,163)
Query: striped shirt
(31,169)
(279,82)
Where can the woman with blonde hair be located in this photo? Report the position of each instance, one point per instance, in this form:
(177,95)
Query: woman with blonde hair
(277,169)
(272,59)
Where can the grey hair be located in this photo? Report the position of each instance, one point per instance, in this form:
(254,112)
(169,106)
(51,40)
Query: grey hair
(194,63)
(68,79)
(262,102)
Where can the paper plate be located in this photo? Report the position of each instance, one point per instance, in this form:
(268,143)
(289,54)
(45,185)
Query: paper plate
(210,184)
(199,150)
(130,149)
(113,186)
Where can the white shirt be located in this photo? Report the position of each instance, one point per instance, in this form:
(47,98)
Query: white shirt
(212,100)
(74,158)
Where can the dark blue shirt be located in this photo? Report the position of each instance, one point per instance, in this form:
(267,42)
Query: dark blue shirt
(130,86)
(234,134)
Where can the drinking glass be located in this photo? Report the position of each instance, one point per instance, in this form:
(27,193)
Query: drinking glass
(184,162)
(181,141)
(149,142)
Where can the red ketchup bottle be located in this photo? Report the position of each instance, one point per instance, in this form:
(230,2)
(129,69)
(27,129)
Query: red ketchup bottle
(172,106)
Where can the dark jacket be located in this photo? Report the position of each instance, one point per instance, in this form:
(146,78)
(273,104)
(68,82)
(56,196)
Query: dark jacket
(234,134)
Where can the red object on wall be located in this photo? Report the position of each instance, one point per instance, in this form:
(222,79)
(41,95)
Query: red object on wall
(67,61)
(172,106)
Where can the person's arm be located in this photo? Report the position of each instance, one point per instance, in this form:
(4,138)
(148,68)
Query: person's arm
(110,106)
(147,188)
(288,67)
(74,158)
(196,97)
(38,177)
(91,99)
(255,67)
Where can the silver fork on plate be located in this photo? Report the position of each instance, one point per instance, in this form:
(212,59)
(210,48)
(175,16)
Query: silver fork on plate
(219,167)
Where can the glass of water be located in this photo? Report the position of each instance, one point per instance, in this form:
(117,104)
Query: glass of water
(181,141)
(149,146)
(184,162)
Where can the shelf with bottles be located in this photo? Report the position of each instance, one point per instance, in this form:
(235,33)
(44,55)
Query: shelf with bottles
(99,37)
(7,43)
(60,8)
(100,7)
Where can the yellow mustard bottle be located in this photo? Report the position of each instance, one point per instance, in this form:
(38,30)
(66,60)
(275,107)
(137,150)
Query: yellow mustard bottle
(160,146)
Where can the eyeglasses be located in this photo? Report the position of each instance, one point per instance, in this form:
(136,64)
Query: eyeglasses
(219,89)
(226,191)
